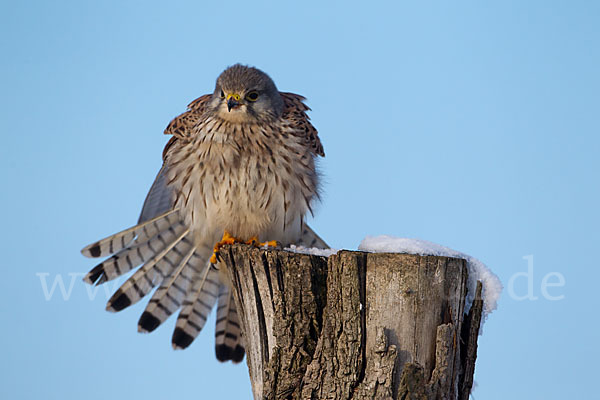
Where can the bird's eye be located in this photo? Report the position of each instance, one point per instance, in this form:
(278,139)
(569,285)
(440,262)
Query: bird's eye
(252,96)
(222,94)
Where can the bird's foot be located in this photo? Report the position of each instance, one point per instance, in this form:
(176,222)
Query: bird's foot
(254,241)
(228,239)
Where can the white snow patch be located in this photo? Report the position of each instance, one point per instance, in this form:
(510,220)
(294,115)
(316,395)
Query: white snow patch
(478,271)
(311,250)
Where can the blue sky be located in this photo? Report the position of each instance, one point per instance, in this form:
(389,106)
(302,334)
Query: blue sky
(471,124)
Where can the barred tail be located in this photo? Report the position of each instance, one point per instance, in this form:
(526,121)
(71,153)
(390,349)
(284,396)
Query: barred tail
(118,241)
(310,239)
(154,271)
(169,297)
(197,305)
(228,334)
(172,259)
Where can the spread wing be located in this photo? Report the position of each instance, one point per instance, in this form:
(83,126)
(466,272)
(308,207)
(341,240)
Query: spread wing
(295,112)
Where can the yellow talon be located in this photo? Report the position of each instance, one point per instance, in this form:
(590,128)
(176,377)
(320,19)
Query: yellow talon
(254,241)
(228,239)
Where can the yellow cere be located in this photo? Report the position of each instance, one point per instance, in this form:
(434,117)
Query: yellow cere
(235,96)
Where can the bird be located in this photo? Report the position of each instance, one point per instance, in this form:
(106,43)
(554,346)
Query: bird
(241,163)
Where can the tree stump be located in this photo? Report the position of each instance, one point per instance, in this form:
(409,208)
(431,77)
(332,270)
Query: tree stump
(354,325)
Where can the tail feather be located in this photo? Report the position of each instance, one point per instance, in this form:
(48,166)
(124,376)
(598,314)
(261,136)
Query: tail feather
(114,243)
(310,239)
(153,271)
(197,305)
(228,334)
(130,257)
(169,296)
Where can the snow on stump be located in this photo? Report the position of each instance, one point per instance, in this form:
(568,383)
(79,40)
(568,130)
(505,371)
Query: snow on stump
(355,325)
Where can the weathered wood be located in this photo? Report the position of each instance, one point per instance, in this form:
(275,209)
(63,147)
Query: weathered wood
(354,325)
(469,335)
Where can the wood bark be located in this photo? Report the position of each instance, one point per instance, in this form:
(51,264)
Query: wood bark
(354,325)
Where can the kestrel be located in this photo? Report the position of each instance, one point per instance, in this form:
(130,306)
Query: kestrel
(241,161)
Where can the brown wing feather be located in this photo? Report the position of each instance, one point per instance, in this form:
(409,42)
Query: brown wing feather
(182,125)
(295,111)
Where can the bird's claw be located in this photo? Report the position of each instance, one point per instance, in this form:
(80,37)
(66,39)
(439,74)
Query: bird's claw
(229,239)
(255,242)
(226,239)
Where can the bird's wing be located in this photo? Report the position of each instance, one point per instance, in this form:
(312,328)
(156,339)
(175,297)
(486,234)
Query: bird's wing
(160,198)
(294,111)
(182,126)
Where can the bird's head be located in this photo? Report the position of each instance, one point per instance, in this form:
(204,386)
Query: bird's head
(246,94)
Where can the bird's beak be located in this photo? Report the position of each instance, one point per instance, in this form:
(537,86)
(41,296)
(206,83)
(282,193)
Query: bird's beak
(232,101)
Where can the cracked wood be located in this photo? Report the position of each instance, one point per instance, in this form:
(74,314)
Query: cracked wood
(355,325)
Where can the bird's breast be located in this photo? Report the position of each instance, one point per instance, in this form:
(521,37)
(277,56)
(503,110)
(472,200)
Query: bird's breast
(248,187)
